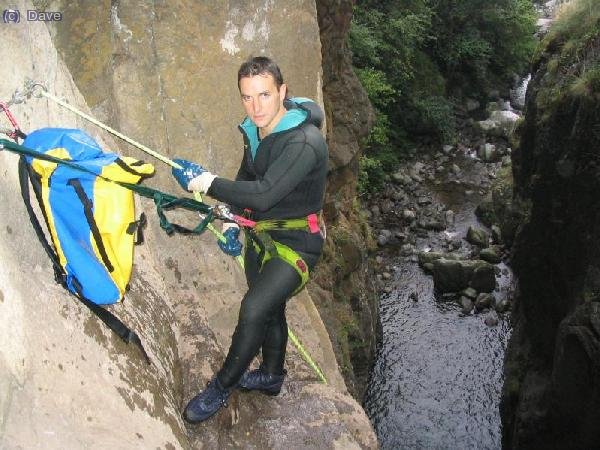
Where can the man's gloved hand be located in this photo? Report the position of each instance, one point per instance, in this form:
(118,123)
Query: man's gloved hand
(192,176)
(232,245)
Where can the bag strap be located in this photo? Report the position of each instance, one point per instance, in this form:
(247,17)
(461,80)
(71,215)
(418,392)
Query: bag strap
(109,319)
(88,211)
(24,177)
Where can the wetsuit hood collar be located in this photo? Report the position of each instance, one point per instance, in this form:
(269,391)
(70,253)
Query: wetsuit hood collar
(299,111)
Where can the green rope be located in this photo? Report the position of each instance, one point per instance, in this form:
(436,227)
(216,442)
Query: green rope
(306,356)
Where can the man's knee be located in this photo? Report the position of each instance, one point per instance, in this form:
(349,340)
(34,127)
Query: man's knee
(253,316)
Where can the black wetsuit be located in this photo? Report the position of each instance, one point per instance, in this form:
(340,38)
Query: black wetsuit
(281,177)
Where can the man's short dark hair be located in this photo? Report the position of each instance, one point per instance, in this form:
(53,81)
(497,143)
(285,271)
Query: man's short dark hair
(260,65)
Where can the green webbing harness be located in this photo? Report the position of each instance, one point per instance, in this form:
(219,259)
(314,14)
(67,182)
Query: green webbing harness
(267,248)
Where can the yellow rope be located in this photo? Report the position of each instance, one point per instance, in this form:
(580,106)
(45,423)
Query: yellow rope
(197,195)
(110,130)
(306,356)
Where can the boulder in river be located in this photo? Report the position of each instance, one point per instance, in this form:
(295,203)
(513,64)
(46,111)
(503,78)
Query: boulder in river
(401,178)
(483,277)
(484,300)
(466,305)
(455,275)
(478,237)
(449,217)
(487,152)
(505,120)
(409,214)
(384,237)
(447,148)
(491,320)
(500,123)
(469,293)
(490,255)
(430,257)
(471,105)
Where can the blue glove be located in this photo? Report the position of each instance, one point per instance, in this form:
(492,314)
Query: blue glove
(187,173)
(232,246)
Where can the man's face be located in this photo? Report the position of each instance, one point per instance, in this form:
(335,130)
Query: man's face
(262,100)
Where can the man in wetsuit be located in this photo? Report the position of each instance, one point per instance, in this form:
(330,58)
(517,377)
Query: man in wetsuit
(281,181)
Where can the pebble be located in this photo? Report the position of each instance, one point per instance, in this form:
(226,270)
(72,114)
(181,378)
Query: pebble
(407,250)
(491,320)
(386,275)
(409,214)
(469,293)
(502,306)
(382,240)
(484,301)
(449,218)
(466,304)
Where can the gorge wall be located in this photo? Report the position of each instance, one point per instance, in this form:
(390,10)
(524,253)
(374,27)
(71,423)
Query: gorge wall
(551,395)
(342,287)
(164,74)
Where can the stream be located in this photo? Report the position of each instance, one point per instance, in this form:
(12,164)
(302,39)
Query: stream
(438,373)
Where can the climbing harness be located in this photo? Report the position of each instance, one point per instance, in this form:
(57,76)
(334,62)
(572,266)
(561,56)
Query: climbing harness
(257,233)
(267,248)
(163,201)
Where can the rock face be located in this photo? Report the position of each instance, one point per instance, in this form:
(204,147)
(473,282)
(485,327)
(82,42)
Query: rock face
(342,286)
(551,396)
(164,75)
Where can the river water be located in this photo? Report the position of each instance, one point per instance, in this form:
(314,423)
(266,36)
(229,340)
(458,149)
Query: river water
(437,378)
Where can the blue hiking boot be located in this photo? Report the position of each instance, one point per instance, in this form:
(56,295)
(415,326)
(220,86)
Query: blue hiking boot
(207,402)
(259,380)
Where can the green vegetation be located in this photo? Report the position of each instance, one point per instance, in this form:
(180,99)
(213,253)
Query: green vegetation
(569,51)
(417,58)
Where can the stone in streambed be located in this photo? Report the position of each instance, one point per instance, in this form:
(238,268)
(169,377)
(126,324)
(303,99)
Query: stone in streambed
(503,306)
(449,218)
(430,257)
(466,305)
(469,293)
(484,301)
(455,275)
(478,237)
(490,255)
(491,320)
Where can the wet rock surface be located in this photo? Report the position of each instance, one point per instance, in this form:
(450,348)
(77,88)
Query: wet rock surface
(551,397)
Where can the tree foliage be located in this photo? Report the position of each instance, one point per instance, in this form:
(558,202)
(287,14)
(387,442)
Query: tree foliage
(416,57)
